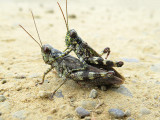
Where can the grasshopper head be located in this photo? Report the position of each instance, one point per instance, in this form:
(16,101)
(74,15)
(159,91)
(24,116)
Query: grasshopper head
(71,38)
(49,54)
(46,51)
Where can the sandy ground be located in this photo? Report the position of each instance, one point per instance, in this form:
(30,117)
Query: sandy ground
(131,28)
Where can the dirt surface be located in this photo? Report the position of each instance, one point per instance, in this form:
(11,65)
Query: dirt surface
(131,28)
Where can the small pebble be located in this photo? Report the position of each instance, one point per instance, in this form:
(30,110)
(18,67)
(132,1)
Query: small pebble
(155,97)
(2,98)
(50,11)
(116,113)
(130,60)
(0,113)
(44,94)
(18,88)
(87,118)
(54,110)
(69,119)
(35,75)
(72,16)
(88,104)
(130,118)
(4,81)
(159,98)
(21,115)
(145,111)
(99,111)
(127,113)
(49,118)
(155,67)
(93,93)
(59,94)
(20,77)
(103,88)
(82,112)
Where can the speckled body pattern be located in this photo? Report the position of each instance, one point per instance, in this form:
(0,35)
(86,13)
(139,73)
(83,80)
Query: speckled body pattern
(85,53)
(65,65)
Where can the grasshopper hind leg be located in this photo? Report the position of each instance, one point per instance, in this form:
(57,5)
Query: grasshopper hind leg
(101,62)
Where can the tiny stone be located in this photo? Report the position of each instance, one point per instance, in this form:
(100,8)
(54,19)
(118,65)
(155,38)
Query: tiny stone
(59,94)
(4,81)
(0,113)
(44,94)
(18,88)
(49,118)
(130,118)
(103,88)
(20,114)
(20,77)
(87,118)
(72,99)
(35,75)
(88,104)
(130,60)
(93,93)
(99,111)
(50,11)
(155,97)
(155,67)
(116,113)
(127,113)
(69,119)
(82,112)
(2,98)
(54,110)
(73,16)
(145,111)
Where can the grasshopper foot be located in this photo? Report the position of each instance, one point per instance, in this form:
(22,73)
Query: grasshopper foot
(107,50)
(53,94)
(119,64)
(39,83)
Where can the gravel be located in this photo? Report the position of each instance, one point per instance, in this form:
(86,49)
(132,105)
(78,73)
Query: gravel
(81,112)
(2,98)
(93,93)
(145,111)
(116,113)
(88,104)
(44,94)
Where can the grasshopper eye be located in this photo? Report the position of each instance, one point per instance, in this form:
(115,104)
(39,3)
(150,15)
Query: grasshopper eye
(46,50)
(73,34)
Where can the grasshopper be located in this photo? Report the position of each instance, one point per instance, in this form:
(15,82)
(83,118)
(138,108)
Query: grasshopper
(65,65)
(85,53)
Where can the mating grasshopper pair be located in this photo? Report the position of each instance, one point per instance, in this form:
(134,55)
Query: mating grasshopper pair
(89,68)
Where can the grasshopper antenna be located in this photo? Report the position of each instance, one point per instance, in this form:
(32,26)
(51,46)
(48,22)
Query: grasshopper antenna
(30,35)
(63,16)
(36,27)
(67,14)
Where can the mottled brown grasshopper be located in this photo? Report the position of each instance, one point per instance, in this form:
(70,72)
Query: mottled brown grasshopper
(66,65)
